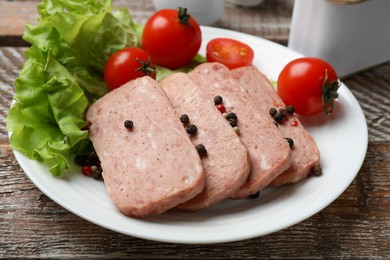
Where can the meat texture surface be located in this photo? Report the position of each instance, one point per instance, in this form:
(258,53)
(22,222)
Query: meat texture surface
(305,154)
(153,166)
(269,151)
(227,163)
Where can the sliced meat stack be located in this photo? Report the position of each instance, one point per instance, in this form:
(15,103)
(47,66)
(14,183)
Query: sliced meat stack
(305,154)
(152,166)
(150,154)
(227,163)
(269,151)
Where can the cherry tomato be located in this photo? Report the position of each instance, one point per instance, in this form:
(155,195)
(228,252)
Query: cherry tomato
(309,84)
(230,52)
(172,38)
(127,64)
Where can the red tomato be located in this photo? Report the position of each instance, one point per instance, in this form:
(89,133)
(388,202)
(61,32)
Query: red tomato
(172,38)
(231,53)
(309,84)
(127,64)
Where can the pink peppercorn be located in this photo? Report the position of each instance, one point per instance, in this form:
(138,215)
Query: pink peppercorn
(221,108)
(86,170)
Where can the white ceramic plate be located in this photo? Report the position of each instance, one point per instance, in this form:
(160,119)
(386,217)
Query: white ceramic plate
(341,138)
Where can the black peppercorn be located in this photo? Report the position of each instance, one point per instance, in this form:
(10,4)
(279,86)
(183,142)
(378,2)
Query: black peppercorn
(93,158)
(201,149)
(316,170)
(278,117)
(191,129)
(128,124)
(231,115)
(218,100)
(255,195)
(233,122)
(290,109)
(290,141)
(184,118)
(283,111)
(272,111)
(96,172)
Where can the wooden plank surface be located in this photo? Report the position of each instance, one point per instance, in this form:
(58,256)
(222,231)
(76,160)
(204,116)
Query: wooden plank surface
(355,226)
(272,18)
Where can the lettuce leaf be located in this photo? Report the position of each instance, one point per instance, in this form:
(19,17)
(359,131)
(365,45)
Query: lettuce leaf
(162,72)
(62,76)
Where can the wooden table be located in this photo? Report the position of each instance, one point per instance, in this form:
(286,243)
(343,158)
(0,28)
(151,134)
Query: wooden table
(356,225)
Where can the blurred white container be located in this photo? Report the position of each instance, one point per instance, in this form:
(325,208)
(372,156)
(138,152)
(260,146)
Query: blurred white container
(350,37)
(245,3)
(205,12)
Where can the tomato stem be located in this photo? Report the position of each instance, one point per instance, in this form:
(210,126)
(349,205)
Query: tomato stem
(329,93)
(184,17)
(145,66)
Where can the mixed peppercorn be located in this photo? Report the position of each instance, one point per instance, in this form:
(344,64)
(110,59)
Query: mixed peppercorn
(192,130)
(90,165)
(279,115)
(230,117)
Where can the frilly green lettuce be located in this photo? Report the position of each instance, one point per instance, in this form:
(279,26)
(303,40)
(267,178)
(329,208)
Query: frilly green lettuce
(62,76)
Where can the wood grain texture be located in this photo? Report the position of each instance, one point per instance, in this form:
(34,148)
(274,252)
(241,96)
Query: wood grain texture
(270,20)
(355,226)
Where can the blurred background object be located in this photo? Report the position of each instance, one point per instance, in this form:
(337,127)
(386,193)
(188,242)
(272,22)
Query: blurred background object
(245,3)
(351,37)
(347,1)
(205,12)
